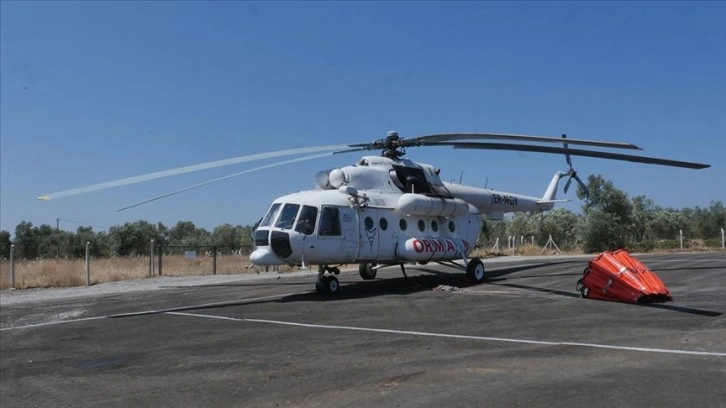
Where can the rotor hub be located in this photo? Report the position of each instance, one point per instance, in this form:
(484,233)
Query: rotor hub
(393,146)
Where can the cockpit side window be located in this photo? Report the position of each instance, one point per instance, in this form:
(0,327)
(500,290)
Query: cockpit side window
(287,216)
(330,222)
(306,221)
(270,216)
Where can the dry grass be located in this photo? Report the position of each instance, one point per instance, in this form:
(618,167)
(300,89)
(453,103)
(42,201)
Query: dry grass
(46,273)
(526,250)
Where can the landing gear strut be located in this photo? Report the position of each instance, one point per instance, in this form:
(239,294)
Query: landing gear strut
(327,283)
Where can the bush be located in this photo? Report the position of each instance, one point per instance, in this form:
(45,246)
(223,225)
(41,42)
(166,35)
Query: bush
(643,246)
(713,243)
(669,244)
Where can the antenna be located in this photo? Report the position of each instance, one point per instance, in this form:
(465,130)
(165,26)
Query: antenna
(461,177)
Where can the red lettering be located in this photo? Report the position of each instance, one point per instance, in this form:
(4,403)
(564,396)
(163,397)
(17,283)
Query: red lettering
(427,245)
(417,246)
(450,246)
(438,246)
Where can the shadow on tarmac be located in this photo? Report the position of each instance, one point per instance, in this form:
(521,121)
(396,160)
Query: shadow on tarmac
(414,284)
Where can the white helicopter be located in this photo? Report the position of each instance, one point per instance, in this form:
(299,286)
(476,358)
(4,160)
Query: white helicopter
(387,210)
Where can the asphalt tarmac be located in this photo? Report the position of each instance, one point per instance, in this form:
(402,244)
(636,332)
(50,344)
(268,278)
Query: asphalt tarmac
(523,339)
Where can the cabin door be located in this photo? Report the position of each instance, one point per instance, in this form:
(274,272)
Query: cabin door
(337,232)
(369,235)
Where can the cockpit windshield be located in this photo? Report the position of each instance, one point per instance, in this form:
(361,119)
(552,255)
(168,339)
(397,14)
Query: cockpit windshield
(270,216)
(287,216)
(283,216)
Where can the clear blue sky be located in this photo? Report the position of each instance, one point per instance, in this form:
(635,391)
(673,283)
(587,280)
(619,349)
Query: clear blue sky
(96,91)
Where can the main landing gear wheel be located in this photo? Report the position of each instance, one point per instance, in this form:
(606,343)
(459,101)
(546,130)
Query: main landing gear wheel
(327,285)
(475,270)
(366,271)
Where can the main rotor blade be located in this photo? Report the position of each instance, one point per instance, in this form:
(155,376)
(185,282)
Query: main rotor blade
(189,169)
(445,137)
(574,152)
(299,159)
(355,149)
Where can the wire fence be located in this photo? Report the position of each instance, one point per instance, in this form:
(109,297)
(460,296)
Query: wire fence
(196,260)
(160,261)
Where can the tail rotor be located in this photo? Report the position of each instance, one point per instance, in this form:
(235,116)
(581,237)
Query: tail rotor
(571,173)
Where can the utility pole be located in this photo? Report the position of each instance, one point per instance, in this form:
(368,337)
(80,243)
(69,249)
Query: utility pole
(57,237)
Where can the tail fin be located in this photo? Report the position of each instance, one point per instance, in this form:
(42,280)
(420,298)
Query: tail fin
(551,192)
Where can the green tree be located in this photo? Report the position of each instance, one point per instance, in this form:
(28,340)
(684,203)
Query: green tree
(602,232)
(134,238)
(5,244)
(491,230)
(182,231)
(49,243)
(98,246)
(229,237)
(707,222)
(27,240)
(187,234)
(609,215)
(562,224)
(718,217)
(642,216)
(522,224)
(667,223)
(246,238)
(162,233)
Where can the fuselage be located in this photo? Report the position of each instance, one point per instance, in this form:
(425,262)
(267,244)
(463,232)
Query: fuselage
(380,210)
(322,227)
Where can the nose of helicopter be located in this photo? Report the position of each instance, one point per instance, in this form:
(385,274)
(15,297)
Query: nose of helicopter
(264,256)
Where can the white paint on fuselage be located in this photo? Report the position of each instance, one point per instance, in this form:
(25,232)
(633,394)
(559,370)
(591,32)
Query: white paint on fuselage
(370,232)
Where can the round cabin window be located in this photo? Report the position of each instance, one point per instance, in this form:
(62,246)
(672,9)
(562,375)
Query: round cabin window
(369,223)
(383,223)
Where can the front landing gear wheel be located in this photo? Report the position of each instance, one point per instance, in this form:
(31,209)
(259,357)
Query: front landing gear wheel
(366,271)
(475,270)
(327,285)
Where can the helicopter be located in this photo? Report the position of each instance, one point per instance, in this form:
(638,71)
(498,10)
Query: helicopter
(387,210)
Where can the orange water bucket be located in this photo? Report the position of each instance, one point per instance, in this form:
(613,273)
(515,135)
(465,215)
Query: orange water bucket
(618,276)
